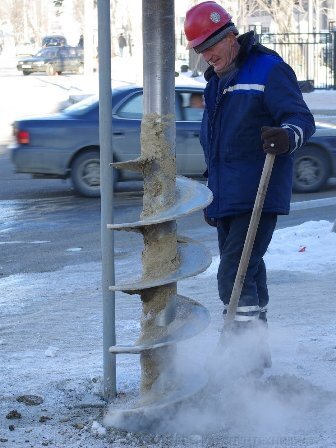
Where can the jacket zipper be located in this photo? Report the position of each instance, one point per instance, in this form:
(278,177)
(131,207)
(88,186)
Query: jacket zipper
(217,104)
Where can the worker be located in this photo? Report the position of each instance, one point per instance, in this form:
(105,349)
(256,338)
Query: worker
(253,106)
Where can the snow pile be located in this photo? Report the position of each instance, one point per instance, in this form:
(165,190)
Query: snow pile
(309,247)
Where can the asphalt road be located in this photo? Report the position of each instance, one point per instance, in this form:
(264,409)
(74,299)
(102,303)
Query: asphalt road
(45,226)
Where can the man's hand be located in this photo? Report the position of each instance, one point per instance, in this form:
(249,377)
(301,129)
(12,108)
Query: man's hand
(275,140)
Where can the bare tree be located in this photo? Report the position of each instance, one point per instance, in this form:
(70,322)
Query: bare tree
(4,8)
(78,9)
(36,20)
(27,19)
(282,12)
(114,19)
(16,18)
(59,7)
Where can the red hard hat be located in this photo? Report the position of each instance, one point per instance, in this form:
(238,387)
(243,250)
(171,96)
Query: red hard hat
(203,20)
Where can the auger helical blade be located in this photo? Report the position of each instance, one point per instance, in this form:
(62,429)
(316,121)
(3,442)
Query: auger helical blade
(147,415)
(182,319)
(191,196)
(190,319)
(194,258)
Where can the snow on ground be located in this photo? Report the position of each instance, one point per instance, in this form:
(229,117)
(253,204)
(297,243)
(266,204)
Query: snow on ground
(51,359)
(309,247)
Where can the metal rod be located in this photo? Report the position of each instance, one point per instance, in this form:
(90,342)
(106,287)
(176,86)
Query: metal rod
(334,56)
(106,182)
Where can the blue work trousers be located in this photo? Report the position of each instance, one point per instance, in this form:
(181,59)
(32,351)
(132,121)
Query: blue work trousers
(232,231)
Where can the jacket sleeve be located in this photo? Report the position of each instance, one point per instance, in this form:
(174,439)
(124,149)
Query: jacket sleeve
(283,99)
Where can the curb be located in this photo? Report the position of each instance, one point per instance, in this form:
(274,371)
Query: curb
(328,112)
(312,203)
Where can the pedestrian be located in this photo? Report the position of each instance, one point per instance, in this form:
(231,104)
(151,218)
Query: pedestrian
(129,40)
(81,41)
(121,43)
(253,106)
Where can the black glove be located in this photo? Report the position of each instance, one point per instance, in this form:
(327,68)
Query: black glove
(275,140)
(211,221)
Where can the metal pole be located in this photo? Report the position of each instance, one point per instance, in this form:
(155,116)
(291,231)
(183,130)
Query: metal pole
(106,182)
(334,57)
(310,47)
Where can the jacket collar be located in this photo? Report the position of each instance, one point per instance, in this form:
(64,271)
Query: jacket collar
(246,42)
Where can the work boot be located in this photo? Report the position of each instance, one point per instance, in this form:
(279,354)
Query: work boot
(247,340)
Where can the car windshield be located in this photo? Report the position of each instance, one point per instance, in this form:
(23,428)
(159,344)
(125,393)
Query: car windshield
(81,107)
(46,53)
(53,40)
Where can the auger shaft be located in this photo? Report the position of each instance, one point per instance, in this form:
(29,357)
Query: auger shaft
(158,144)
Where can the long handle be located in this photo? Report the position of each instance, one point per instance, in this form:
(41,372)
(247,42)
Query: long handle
(248,245)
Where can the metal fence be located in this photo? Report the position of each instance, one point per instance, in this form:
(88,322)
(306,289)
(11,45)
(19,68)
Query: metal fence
(311,55)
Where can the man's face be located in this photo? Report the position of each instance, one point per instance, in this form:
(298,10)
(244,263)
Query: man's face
(221,55)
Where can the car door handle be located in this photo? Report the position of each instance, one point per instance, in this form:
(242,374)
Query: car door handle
(118,133)
(193,134)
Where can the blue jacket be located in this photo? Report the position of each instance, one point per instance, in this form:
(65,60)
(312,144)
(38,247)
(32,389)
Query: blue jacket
(261,90)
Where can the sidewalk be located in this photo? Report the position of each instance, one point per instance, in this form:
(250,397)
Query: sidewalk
(321,102)
(52,349)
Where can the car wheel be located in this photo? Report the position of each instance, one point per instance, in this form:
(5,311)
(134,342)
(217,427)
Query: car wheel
(81,69)
(50,70)
(59,73)
(311,170)
(85,174)
(25,73)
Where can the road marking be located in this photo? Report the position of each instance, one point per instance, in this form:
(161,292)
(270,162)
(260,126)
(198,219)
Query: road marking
(24,242)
